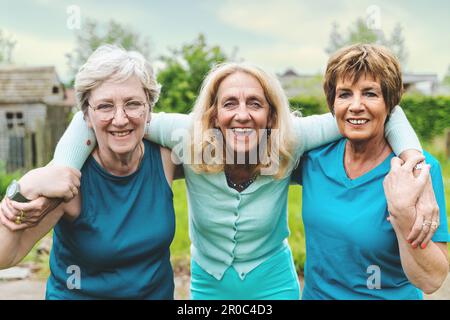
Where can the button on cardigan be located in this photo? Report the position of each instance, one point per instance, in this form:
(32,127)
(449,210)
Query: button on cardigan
(228,228)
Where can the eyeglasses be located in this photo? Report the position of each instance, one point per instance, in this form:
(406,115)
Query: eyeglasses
(107,111)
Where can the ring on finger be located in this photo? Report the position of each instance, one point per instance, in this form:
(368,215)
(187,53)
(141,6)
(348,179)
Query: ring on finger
(18,220)
(426,224)
(21,217)
(434,225)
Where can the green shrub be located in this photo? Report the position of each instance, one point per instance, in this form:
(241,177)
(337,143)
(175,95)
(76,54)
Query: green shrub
(308,105)
(6,178)
(428,115)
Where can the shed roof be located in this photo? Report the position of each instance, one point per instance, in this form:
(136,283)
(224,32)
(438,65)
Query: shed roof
(29,84)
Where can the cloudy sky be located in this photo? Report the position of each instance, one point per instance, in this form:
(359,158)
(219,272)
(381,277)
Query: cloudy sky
(275,34)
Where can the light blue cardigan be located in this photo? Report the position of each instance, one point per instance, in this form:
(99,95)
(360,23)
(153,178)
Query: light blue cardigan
(228,228)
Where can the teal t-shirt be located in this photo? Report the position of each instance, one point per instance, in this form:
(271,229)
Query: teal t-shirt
(351,249)
(119,245)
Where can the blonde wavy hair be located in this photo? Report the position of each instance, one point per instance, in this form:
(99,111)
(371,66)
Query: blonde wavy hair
(205,114)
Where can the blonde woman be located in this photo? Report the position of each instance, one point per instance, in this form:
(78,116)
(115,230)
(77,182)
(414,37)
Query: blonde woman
(238,149)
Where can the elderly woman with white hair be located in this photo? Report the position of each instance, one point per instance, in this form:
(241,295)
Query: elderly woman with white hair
(237,184)
(111,240)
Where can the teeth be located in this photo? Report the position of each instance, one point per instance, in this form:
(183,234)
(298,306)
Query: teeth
(120,134)
(242,130)
(354,121)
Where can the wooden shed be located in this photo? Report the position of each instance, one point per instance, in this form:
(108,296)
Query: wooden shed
(34,110)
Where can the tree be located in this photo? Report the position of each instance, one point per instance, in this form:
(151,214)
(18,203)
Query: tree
(359,32)
(93,34)
(397,43)
(7,45)
(183,73)
(336,41)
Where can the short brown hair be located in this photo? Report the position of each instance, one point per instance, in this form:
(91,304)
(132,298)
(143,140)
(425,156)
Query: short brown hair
(358,60)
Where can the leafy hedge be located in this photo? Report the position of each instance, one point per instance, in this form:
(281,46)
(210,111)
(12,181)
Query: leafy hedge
(6,178)
(309,105)
(428,115)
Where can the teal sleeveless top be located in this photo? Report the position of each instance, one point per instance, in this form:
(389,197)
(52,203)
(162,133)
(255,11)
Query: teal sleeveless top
(118,248)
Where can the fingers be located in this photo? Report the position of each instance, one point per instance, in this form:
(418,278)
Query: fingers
(433,227)
(416,229)
(396,163)
(430,235)
(424,175)
(413,161)
(34,205)
(11,225)
(75,178)
(75,172)
(31,212)
(9,212)
(423,233)
(426,216)
(71,193)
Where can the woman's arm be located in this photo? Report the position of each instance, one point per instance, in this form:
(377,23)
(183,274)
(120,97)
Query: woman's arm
(78,140)
(425,267)
(168,129)
(47,187)
(317,130)
(76,144)
(400,134)
(15,245)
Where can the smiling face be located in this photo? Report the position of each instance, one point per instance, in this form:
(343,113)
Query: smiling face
(360,109)
(122,134)
(242,111)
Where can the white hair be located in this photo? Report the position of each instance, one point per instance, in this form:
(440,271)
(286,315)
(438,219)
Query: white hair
(113,63)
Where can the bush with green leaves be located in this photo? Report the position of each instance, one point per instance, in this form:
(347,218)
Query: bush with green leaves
(6,178)
(429,116)
(308,105)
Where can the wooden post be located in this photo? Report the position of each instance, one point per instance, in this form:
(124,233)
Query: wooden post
(28,150)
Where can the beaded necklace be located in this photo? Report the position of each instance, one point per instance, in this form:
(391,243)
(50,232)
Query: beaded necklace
(239,186)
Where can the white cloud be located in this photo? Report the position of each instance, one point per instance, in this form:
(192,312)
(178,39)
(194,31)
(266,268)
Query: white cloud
(298,31)
(283,20)
(306,59)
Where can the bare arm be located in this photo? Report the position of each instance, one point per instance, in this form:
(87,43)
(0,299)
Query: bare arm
(48,181)
(425,267)
(47,187)
(15,245)
(426,207)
